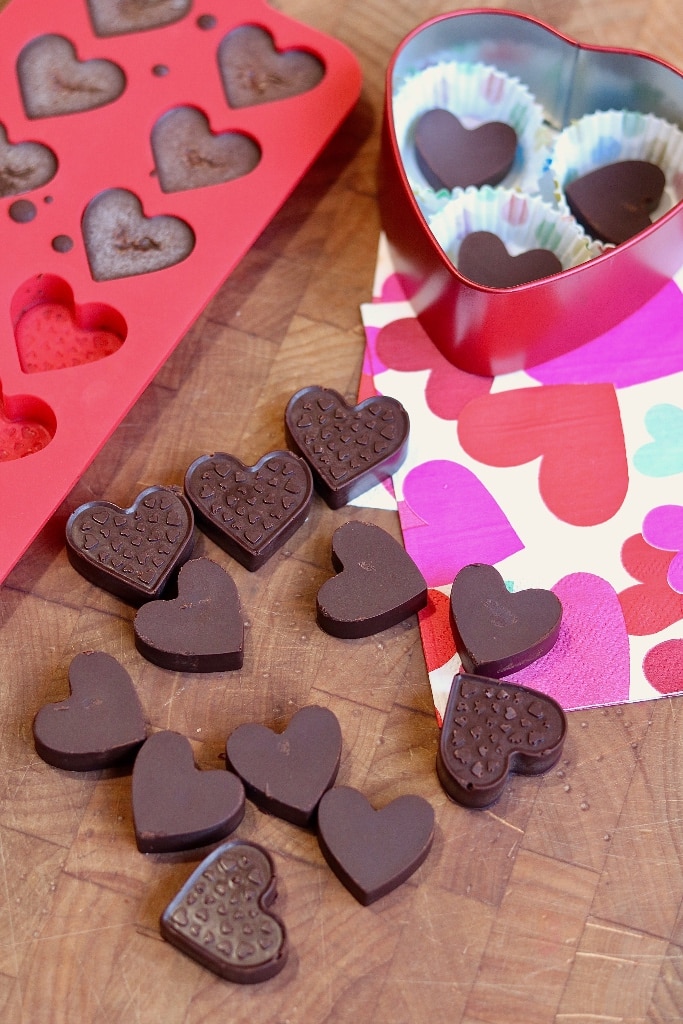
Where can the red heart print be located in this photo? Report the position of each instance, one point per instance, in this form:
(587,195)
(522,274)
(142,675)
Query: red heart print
(663,666)
(651,605)
(435,630)
(576,431)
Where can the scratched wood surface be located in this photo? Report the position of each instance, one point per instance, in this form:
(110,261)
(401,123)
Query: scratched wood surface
(561,905)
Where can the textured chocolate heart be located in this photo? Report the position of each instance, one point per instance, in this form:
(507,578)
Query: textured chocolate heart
(614,202)
(121,242)
(287,773)
(377,586)
(220,916)
(188,155)
(201,630)
(484,258)
(100,724)
(373,851)
(54,82)
(176,806)
(490,729)
(250,510)
(349,448)
(253,71)
(134,551)
(452,156)
(24,165)
(497,632)
(116,19)
(27,425)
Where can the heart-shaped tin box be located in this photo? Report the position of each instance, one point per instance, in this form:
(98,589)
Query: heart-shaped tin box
(487,330)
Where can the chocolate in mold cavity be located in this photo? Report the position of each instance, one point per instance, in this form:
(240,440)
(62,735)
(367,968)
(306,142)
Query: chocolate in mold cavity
(484,258)
(614,202)
(99,725)
(177,806)
(132,552)
(119,17)
(373,851)
(188,155)
(24,166)
(54,82)
(377,586)
(121,242)
(201,630)
(254,71)
(286,773)
(453,156)
(250,511)
(491,729)
(221,919)
(349,448)
(497,632)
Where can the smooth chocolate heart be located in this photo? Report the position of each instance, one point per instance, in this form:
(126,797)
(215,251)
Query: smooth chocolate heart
(349,448)
(614,202)
(176,806)
(497,632)
(250,510)
(220,916)
(24,165)
(254,71)
(490,729)
(484,258)
(54,82)
(132,552)
(121,242)
(287,773)
(373,851)
(100,724)
(188,155)
(123,16)
(377,586)
(452,156)
(201,630)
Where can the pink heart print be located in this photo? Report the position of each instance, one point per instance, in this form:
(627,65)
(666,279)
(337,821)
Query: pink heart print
(663,529)
(663,667)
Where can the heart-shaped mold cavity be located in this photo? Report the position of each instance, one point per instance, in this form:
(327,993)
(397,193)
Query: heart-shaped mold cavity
(24,165)
(124,16)
(53,333)
(121,242)
(27,425)
(187,154)
(53,81)
(254,71)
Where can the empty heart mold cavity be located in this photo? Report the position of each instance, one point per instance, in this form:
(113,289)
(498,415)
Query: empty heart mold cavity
(27,425)
(124,16)
(24,165)
(189,155)
(53,81)
(254,71)
(53,333)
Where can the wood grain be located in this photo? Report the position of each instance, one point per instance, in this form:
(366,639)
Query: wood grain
(560,905)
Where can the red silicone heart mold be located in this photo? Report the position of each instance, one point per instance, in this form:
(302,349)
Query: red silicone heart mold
(493,330)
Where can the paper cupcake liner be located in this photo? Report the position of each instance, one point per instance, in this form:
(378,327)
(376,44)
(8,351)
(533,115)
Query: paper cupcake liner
(521,221)
(476,94)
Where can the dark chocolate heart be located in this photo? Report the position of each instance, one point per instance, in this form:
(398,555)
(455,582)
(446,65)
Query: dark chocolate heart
(452,156)
(254,72)
(176,806)
(491,728)
(188,155)
(484,258)
(133,552)
(250,510)
(497,632)
(201,630)
(220,915)
(99,725)
(24,166)
(287,773)
(349,448)
(614,202)
(53,81)
(377,585)
(373,851)
(123,16)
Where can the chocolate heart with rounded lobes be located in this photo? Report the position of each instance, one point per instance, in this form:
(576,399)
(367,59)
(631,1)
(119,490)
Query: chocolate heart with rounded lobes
(115,19)
(614,202)
(53,81)
(27,425)
(484,258)
(373,851)
(24,165)
(100,724)
(287,773)
(254,71)
(176,806)
(453,156)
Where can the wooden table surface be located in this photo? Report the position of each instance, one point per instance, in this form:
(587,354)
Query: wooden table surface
(562,903)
